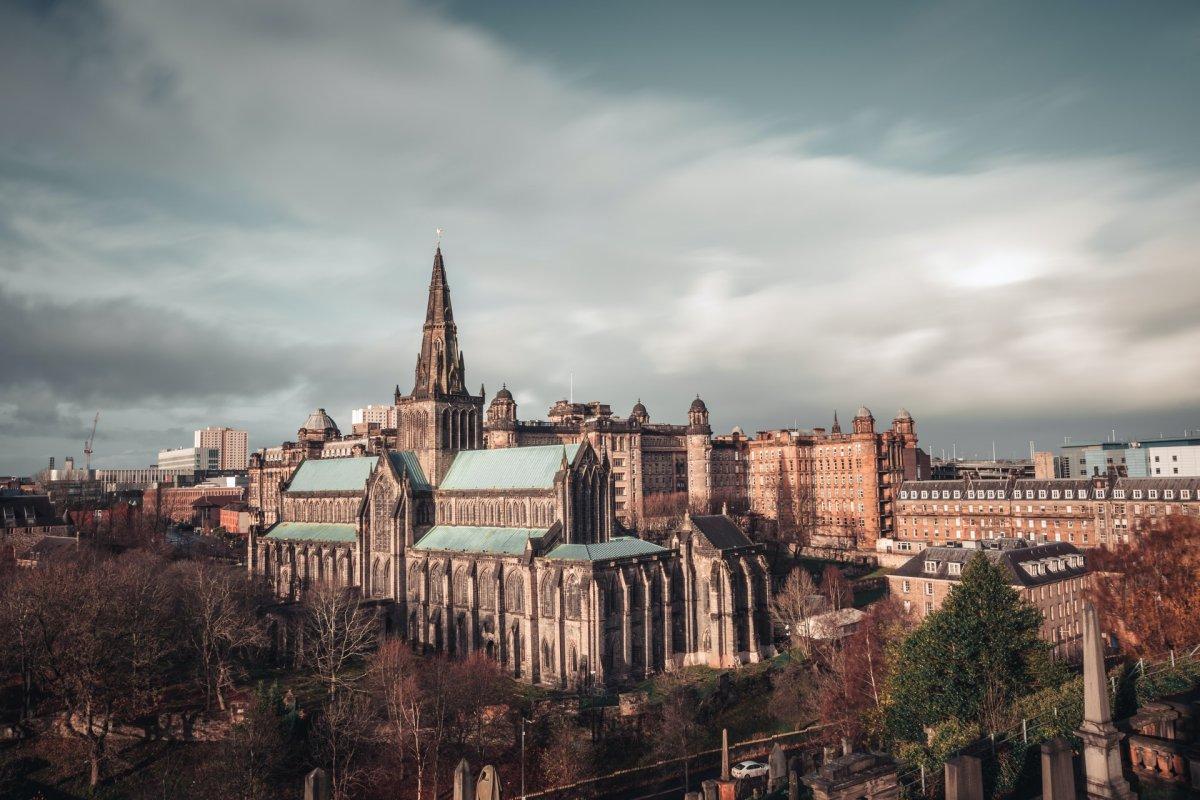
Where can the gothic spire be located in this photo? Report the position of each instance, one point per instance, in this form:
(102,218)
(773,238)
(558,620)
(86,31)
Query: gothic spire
(440,367)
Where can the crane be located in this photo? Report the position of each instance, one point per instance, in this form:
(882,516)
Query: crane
(87,446)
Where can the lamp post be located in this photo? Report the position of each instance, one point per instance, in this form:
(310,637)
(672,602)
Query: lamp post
(523,721)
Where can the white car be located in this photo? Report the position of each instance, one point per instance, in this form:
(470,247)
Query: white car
(749,769)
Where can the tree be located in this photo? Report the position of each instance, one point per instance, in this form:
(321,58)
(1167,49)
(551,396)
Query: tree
(412,696)
(222,610)
(852,688)
(836,589)
(794,693)
(257,753)
(339,634)
(341,736)
(969,660)
(20,652)
(108,642)
(1147,590)
(566,757)
(678,733)
(794,605)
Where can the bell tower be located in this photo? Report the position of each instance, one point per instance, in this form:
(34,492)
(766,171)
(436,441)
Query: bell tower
(439,417)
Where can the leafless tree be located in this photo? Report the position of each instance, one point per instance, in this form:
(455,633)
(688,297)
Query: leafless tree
(108,638)
(835,588)
(413,697)
(20,652)
(794,606)
(222,610)
(342,735)
(678,733)
(339,634)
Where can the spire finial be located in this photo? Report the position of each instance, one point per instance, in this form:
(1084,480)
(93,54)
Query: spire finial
(439,238)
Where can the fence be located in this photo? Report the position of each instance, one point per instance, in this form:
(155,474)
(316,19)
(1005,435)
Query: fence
(672,769)
(1006,753)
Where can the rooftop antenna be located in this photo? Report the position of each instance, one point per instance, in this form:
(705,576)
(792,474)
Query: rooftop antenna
(1114,434)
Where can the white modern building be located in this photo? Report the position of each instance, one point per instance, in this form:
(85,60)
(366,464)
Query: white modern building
(190,459)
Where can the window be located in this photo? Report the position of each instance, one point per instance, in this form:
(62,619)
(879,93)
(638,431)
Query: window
(931,566)
(928,588)
(904,587)
(954,568)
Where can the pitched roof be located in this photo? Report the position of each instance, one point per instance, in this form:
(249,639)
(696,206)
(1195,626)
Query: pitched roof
(722,532)
(406,461)
(476,539)
(617,547)
(312,532)
(333,474)
(1017,561)
(508,468)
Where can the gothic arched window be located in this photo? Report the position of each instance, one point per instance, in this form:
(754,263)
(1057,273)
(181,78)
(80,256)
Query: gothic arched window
(514,593)
(436,590)
(461,587)
(546,595)
(486,588)
(573,598)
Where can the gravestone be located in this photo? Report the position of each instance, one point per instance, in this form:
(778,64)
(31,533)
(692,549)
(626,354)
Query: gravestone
(488,786)
(1058,770)
(964,778)
(777,764)
(316,785)
(464,785)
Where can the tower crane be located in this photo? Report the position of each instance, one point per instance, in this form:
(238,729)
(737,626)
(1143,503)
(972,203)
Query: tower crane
(87,446)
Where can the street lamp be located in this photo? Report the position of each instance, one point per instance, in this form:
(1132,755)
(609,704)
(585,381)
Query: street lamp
(523,721)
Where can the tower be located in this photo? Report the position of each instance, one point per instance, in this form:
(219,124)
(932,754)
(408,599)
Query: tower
(439,417)
(904,428)
(699,458)
(502,420)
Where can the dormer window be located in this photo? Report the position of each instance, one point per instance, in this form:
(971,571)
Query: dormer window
(931,566)
(1168,494)
(1137,494)
(1099,494)
(1118,494)
(954,568)
(1152,494)
(1041,494)
(1185,494)
(957,494)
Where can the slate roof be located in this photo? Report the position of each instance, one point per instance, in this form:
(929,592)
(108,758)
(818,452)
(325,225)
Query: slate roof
(1015,559)
(507,468)
(478,539)
(617,547)
(312,532)
(406,461)
(333,474)
(722,532)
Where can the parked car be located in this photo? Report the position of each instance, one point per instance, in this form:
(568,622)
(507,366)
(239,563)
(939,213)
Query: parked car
(749,769)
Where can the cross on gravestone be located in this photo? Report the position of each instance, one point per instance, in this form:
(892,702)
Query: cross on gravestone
(488,786)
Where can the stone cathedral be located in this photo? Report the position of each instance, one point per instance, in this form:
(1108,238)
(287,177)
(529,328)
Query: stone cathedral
(516,552)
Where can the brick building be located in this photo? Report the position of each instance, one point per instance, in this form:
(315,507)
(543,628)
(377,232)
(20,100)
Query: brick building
(1051,576)
(839,487)
(1084,512)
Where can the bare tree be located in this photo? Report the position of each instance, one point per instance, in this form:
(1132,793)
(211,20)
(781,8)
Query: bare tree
(108,639)
(222,609)
(835,588)
(339,634)
(342,735)
(794,606)
(20,652)
(678,734)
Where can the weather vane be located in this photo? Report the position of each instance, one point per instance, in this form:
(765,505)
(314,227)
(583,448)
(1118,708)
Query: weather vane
(439,237)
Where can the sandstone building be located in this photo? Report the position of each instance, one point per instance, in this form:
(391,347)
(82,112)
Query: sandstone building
(1087,512)
(1052,577)
(516,549)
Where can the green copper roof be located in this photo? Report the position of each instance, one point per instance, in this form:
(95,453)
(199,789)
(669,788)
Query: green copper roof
(333,474)
(617,547)
(312,532)
(508,468)
(406,461)
(473,539)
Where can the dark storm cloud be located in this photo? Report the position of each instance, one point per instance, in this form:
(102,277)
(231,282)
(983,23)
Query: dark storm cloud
(113,349)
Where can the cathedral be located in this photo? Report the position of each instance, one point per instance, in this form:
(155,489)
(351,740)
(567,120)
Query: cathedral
(514,549)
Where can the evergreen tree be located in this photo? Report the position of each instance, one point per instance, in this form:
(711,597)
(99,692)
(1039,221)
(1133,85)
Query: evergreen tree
(969,660)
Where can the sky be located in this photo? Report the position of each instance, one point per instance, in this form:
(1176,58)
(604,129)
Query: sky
(224,213)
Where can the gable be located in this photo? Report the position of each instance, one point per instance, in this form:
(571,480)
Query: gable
(332,474)
(508,468)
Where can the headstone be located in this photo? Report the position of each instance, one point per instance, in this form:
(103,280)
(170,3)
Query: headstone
(711,790)
(964,778)
(316,785)
(777,766)
(488,786)
(1101,740)
(1058,770)
(464,784)
(794,773)
(693,796)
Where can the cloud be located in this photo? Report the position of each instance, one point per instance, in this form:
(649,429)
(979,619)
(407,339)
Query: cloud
(232,207)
